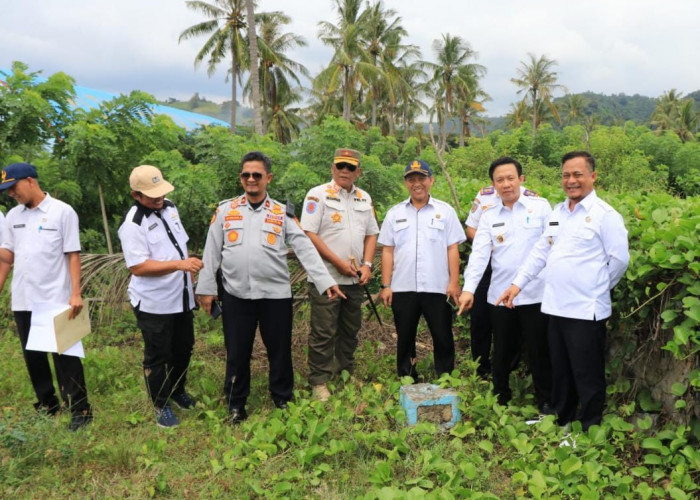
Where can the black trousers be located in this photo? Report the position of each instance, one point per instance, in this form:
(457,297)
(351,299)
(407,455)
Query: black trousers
(241,318)
(407,308)
(168,340)
(578,368)
(69,373)
(523,325)
(480,326)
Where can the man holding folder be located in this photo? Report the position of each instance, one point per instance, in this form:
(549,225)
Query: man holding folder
(41,239)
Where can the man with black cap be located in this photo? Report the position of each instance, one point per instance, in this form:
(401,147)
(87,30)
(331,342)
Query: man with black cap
(420,269)
(339,219)
(154,243)
(41,239)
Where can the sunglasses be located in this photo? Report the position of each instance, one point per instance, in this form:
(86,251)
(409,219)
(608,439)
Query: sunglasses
(343,166)
(255,175)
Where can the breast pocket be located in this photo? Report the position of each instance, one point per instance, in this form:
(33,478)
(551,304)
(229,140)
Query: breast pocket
(271,237)
(50,237)
(233,233)
(401,233)
(155,235)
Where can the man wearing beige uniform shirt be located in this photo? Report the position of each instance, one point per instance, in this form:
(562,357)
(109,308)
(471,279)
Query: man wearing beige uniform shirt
(339,219)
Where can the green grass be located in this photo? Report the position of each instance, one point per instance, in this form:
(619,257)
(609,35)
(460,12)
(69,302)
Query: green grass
(354,446)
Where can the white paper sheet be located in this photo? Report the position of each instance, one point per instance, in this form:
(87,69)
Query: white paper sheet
(42,335)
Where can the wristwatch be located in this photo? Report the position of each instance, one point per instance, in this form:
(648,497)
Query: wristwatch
(382,286)
(367,263)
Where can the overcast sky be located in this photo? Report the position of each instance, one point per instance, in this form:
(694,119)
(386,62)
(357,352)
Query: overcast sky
(609,46)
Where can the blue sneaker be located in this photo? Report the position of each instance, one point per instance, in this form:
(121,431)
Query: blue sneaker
(166,418)
(183,400)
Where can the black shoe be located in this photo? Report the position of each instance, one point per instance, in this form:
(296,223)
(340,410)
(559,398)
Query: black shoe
(237,415)
(183,400)
(79,419)
(282,405)
(546,409)
(49,409)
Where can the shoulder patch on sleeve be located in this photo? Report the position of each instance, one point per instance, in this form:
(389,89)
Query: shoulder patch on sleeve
(529,192)
(487,190)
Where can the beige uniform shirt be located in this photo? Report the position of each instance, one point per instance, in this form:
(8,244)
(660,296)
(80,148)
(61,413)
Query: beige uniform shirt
(342,220)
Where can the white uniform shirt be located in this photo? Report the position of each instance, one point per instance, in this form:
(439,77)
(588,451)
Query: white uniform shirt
(506,237)
(342,220)
(40,238)
(145,237)
(420,239)
(487,198)
(585,253)
(250,246)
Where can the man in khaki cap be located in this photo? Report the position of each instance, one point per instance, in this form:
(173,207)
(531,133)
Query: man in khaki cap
(154,243)
(339,219)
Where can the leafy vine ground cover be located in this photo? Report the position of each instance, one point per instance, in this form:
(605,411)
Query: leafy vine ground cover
(356,445)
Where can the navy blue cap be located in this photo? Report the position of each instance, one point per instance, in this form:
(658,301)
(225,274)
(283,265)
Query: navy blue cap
(418,167)
(16,172)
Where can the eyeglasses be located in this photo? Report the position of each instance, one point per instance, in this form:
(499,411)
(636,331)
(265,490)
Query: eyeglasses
(255,175)
(342,166)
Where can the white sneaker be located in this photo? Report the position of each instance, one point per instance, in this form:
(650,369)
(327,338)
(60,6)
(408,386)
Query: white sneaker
(321,392)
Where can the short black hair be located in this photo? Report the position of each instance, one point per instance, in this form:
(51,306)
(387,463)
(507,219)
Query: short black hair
(590,161)
(257,156)
(505,160)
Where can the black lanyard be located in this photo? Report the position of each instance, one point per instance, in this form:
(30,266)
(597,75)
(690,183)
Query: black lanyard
(185,291)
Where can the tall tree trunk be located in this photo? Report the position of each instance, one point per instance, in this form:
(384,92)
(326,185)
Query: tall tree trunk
(461,131)
(534,112)
(254,75)
(234,72)
(374,106)
(438,152)
(108,237)
(346,95)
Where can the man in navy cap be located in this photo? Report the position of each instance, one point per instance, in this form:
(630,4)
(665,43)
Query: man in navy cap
(41,239)
(420,269)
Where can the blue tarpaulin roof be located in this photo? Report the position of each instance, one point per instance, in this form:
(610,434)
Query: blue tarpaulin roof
(87,98)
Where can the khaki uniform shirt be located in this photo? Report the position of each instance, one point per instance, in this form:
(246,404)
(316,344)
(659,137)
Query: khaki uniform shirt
(250,246)
(342,220)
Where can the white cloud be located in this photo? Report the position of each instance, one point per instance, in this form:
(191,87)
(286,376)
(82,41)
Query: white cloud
(631,46)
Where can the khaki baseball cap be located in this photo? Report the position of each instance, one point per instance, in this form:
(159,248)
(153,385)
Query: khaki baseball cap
(149,180)
(345,155)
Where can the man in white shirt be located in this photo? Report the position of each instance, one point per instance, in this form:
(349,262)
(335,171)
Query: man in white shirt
(42,240)
(584,253)
(154,243)
(420,269)
(506,233)
(339,220)
(479,315)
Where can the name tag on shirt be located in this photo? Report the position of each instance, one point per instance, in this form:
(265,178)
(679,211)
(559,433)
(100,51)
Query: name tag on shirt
(437,224)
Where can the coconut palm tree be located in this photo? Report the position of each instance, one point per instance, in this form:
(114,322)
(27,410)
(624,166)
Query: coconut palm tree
(351,65)
(226,28)
(284,120)
(254,76)
(381,37)
(517,115)
(538,80)
(453,76)
(277,71)
(667,111)
(574,108)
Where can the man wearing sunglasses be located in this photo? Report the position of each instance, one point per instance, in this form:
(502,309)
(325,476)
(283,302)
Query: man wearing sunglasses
(248,239)
(339,219)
